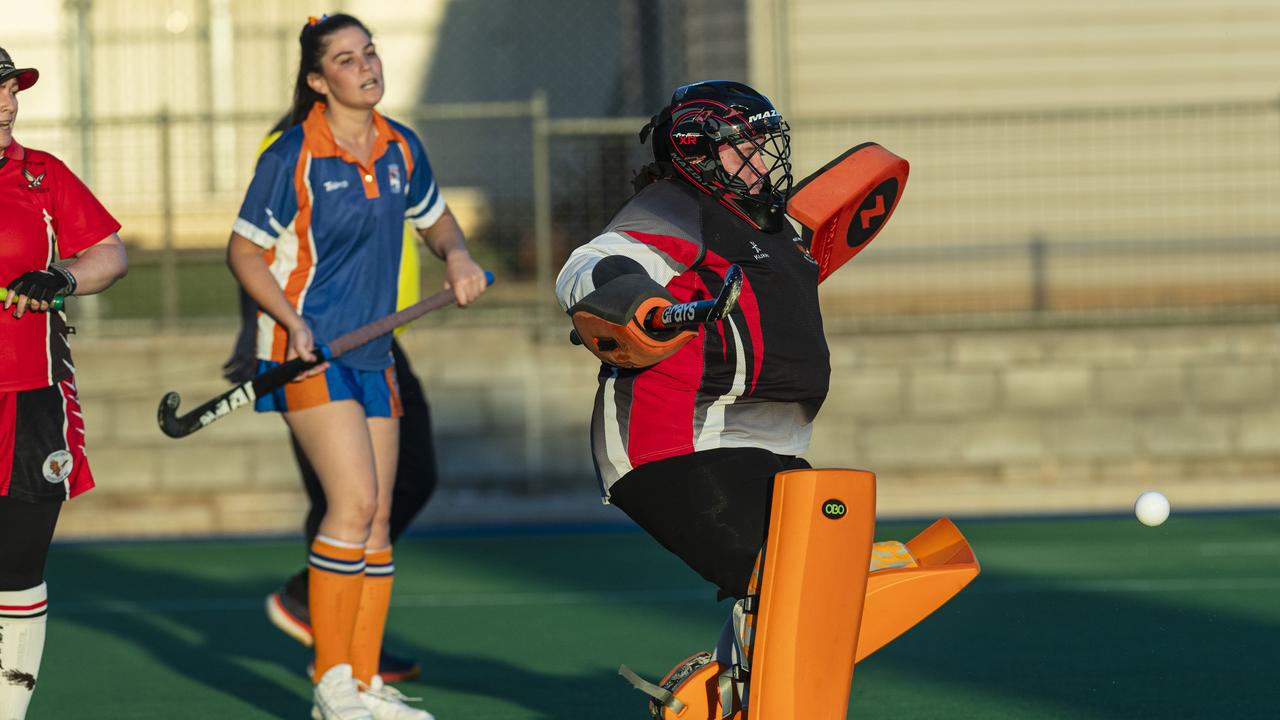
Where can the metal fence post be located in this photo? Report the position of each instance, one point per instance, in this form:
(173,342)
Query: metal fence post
(541,200)
(1038,251)
(534,431)
(168,257)
(84,86)
(87,309)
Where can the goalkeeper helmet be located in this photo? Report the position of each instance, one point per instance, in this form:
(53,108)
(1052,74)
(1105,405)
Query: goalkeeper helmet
(729,141)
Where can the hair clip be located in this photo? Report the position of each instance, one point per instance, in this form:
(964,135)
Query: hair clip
(312,20)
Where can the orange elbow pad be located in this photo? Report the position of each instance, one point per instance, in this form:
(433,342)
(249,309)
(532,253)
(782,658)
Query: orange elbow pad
(610,323)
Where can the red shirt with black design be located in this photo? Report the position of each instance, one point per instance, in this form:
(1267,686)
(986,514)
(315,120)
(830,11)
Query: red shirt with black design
(46,213)
(754,379)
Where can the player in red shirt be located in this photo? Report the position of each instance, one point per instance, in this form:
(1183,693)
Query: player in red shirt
(46,214)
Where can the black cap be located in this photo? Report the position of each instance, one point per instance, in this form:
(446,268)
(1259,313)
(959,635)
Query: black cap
(26,76)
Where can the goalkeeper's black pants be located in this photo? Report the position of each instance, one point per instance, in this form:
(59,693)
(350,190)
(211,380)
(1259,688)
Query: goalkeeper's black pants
(710,508)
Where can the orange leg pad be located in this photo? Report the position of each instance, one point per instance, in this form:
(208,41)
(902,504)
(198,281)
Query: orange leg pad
(811,594)
(899,598)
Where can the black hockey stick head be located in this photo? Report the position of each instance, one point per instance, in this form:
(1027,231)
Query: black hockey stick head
(167,416)
(727,300)
(242,395)
(176,426)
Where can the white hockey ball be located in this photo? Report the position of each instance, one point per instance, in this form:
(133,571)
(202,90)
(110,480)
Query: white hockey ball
(1152,508)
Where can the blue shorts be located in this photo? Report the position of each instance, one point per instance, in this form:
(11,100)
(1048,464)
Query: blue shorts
(376,390)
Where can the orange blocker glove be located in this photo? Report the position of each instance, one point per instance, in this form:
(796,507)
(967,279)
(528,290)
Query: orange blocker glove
(614,322)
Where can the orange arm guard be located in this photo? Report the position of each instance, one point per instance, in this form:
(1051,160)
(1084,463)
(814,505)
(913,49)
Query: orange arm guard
(610,323)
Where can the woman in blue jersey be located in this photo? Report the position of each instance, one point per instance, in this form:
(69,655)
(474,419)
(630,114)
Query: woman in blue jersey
(317,245)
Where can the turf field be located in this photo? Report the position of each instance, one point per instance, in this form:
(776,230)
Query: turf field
(1071,618)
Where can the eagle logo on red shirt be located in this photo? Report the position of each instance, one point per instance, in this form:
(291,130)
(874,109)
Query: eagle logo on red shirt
(33,181)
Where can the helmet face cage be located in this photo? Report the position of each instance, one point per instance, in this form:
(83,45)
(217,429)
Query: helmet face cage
(752,129)
(767,144)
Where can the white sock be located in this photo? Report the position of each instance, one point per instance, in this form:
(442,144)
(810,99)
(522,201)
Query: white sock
(22,623)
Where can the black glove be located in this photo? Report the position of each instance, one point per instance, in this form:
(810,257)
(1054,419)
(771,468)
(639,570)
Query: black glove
(43,285)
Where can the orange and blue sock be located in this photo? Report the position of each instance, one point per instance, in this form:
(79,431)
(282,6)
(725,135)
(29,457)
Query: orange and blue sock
(371,622)
(334,586)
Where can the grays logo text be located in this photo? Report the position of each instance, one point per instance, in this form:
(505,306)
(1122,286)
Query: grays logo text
(675,314)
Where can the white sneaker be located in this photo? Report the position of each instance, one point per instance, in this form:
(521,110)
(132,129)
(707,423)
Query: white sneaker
(337,697)
(388,703)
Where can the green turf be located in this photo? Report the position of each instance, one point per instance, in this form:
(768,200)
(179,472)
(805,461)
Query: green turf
(1070,619)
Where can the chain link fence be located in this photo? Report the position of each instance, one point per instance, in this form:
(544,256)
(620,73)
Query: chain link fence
(1111,209)
(1100,213)
(1116,210)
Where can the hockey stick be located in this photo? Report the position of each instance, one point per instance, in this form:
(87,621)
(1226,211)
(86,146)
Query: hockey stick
(56,303)
(245,393)
(684,316)
(689,315)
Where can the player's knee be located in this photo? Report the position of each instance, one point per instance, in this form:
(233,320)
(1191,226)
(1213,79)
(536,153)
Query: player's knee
(381,521)
(365,506)
(352,515)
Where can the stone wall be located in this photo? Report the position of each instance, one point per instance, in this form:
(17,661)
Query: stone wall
(1039,421)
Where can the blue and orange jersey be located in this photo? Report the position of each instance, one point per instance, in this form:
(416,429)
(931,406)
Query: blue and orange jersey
(410,256)
(333,229)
